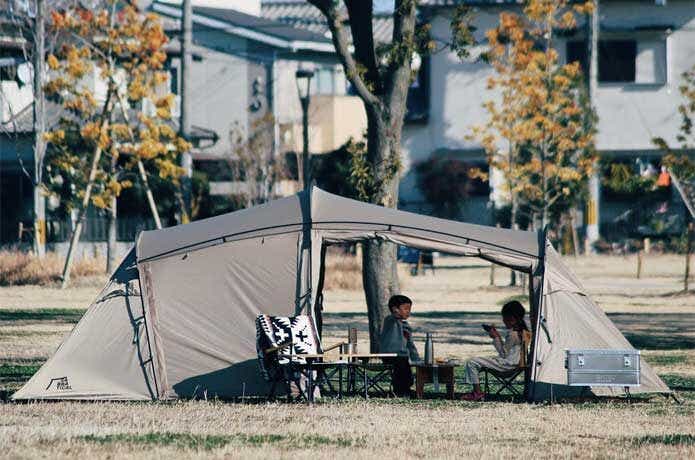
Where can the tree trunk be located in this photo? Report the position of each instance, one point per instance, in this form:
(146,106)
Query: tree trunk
(75,238)
(384,96)
(379,259)
(141,168)
(380,280)
(688,249)
(515,226)
(149,195)
(111,230)
(39,130)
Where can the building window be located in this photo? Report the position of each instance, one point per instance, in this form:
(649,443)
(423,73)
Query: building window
(328,81)
(418,102)
(616,60)
(625,60)
(323,81)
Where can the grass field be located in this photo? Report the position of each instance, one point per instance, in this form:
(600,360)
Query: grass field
(651,311)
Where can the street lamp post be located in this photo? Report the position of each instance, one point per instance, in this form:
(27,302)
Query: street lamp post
(303,77)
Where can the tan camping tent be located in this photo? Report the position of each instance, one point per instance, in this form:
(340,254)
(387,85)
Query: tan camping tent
(177,317)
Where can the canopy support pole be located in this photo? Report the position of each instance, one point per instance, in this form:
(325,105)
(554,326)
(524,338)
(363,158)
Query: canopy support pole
(536,304)
(155,396)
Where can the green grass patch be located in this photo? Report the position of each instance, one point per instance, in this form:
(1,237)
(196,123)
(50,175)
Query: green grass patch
(678,381)
(209,442)
(17,372)
(673,439)
(667,360)
(67,315)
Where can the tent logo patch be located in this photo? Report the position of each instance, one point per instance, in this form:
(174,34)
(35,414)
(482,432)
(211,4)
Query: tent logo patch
(60,384)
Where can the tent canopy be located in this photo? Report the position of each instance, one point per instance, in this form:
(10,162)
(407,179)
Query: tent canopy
(198,288)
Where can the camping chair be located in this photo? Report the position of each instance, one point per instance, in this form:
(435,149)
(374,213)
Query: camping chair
(507,379)
(281,344)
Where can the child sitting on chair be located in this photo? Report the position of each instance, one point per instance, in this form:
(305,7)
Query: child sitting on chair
(397,337)
(509,349)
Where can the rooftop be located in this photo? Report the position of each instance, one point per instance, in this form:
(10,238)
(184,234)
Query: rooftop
(262,29)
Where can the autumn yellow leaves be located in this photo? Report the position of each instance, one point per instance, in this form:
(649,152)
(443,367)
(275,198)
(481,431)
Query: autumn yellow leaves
(540,127)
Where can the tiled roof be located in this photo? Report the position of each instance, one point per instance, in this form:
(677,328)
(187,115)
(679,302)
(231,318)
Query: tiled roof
(301,14)
(275,33)
(261,24)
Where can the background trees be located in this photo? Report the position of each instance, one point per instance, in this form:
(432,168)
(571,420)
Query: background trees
(539,134)
(681,164)
(108,139)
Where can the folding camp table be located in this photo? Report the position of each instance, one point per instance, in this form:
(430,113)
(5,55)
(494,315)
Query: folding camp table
(359,368)
(353,367)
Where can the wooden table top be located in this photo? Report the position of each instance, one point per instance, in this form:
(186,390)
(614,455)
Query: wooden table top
(351,355)
(436,364)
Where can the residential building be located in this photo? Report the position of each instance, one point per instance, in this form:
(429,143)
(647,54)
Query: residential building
(644,48)
(243,70)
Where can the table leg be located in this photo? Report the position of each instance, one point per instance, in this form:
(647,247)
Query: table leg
(340,381)
(310,384)
(450,383)
(419,383)
(366,388)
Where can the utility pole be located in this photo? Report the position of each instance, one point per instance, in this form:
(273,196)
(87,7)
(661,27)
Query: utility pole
(592,208)
(185,123)
(39,129)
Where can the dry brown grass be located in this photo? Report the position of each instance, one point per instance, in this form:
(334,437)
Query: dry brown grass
(348,429)
(644,309)
(343,271)
(20,268)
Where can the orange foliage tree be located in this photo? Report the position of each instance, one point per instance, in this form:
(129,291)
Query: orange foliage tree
(539,133)
(105,141)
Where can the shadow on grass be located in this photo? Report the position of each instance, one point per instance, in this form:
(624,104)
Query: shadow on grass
(645,331)
(672,439)
(68,315)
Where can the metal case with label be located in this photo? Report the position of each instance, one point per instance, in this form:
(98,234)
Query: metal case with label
(609,368)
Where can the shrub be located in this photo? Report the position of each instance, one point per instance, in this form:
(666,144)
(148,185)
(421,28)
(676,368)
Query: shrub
(21,268)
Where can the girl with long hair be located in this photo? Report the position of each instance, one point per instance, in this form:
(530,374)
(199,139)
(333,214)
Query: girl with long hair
(509,349)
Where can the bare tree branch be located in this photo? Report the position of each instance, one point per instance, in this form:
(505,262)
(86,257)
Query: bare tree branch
(340,41)
(403,38)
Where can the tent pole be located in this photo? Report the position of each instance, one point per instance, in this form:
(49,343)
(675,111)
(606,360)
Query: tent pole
(536,281)
(147,334)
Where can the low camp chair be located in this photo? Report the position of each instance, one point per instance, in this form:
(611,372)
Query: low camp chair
(281,344)
(507,379)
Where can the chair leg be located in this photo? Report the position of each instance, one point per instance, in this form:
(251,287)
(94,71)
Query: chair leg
(271,392)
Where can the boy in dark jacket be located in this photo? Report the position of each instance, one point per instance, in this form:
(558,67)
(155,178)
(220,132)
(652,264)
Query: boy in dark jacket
(396,337)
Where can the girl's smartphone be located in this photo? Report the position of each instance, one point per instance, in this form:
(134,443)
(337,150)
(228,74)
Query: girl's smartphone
(488,327)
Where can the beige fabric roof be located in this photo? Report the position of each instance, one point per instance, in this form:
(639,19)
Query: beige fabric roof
(178,319)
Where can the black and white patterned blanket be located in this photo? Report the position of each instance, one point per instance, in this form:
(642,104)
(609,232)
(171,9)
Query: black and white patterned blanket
(275,330)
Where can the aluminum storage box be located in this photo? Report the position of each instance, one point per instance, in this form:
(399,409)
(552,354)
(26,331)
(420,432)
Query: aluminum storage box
(608,368)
